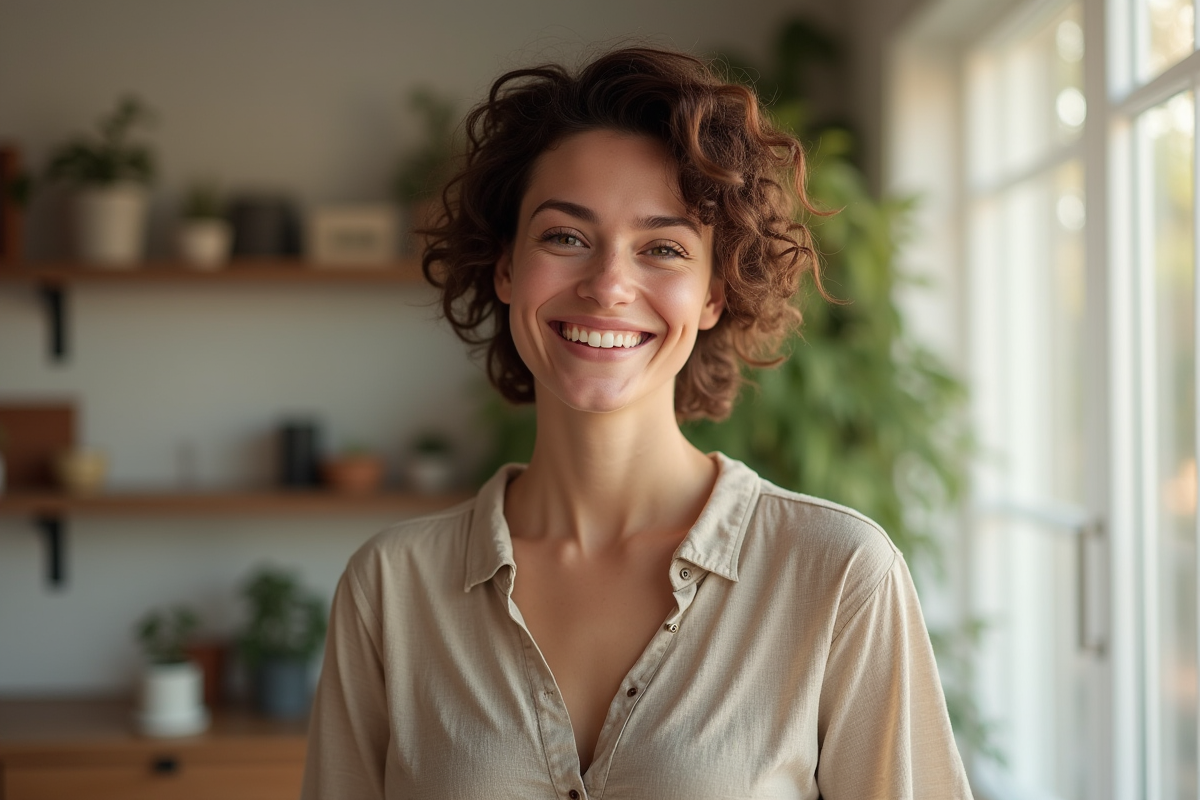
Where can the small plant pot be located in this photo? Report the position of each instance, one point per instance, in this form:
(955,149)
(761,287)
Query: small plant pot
(172,700)
(110,224)
(211,657)
(281,688)
(353,474)
(429,474)
(81,471)
(205,243)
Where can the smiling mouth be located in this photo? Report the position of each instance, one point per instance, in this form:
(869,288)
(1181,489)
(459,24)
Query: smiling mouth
(601,339)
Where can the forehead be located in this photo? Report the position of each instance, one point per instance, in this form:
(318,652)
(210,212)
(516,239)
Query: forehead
(606,166)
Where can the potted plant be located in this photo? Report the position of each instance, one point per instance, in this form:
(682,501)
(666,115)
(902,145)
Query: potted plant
(285,630)
(204,234)
(172,686)
(430,465)
(108,174)
(424,168)
(356,470)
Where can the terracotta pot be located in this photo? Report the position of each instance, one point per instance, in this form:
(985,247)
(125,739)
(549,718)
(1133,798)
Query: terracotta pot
(353,474)
(211,657)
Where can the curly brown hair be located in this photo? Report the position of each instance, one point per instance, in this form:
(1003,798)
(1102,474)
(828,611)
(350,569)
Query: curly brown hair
(737,173)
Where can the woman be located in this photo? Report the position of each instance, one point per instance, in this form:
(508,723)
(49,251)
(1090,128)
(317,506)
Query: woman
(627,617)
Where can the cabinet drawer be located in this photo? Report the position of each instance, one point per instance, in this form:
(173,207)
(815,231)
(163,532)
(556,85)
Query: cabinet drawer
(205,781)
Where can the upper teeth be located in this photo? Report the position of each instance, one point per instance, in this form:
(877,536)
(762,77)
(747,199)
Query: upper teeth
(574,333)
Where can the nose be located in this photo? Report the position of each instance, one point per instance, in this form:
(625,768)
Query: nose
(609,280)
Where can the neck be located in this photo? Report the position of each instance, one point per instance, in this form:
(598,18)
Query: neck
(602,478)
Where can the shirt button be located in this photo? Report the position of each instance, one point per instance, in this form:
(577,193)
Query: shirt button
(632,691)
(574,795)
(685,573)
(673,627)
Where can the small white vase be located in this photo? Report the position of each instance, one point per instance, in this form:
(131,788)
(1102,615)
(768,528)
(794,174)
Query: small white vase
(110,224)
(429,474)
(204,243)
(172,700)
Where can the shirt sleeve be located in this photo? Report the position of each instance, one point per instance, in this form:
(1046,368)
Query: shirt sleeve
(348,732)
(883,731)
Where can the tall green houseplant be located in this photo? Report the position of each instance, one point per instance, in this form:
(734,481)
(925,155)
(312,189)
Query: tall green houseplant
(860,412)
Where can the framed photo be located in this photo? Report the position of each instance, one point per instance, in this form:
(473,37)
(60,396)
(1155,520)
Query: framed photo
(351,236)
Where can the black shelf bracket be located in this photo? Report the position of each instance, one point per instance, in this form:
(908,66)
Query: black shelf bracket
(54,531)
(54,303)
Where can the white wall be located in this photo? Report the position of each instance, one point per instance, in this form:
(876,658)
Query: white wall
(305,97)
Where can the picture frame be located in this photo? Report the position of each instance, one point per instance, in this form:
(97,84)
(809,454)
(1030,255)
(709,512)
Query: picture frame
(352,236)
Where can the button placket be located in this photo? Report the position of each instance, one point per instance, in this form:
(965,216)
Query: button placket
(554,722)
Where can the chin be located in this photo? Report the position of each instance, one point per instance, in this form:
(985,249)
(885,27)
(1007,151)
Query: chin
(595,399)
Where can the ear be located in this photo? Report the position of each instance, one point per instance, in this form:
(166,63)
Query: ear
(502,276)
(714,304)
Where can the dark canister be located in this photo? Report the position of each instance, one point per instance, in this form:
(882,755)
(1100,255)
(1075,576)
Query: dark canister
(264,225)
(299,453)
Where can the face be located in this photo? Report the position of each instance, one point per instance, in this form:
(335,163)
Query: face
(609,278)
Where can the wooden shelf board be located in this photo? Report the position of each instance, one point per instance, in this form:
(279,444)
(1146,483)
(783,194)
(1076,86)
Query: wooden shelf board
(218,503)
(404,271)
(40,730)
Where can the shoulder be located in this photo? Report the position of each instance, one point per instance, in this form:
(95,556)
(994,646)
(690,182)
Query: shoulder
(828,526)
(411,549)
(834,555)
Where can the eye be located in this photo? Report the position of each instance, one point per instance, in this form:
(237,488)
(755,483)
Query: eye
(666,250)
(562,238)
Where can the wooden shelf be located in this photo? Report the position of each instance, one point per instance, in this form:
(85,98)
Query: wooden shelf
(221,503)
(42,724)
(53,279)
(404,271)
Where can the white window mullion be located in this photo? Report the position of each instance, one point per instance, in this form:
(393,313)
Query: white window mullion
(1100,371)
(1147,467)
(1196,306)
(1128,762)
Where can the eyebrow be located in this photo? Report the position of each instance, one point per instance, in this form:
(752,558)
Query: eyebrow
(587,215)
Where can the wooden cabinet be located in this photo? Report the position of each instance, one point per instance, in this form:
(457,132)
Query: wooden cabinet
(66,749)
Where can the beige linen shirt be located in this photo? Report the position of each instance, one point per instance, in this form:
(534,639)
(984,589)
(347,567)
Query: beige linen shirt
(795,665)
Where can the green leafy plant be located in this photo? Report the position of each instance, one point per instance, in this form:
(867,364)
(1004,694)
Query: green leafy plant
(286,621)
(164,635)
(110,156)
(19,189)
(424,168)
(203,201)
(432,443)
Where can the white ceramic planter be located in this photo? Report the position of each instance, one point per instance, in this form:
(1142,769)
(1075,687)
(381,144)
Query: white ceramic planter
(172,701)
(204,243)
(429,474)
(110,224)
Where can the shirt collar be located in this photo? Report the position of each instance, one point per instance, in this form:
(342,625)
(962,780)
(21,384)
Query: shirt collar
(713,543)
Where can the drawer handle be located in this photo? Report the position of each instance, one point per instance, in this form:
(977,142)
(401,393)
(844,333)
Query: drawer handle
(164,765)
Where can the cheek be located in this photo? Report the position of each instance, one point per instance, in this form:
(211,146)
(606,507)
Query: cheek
(681,302)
